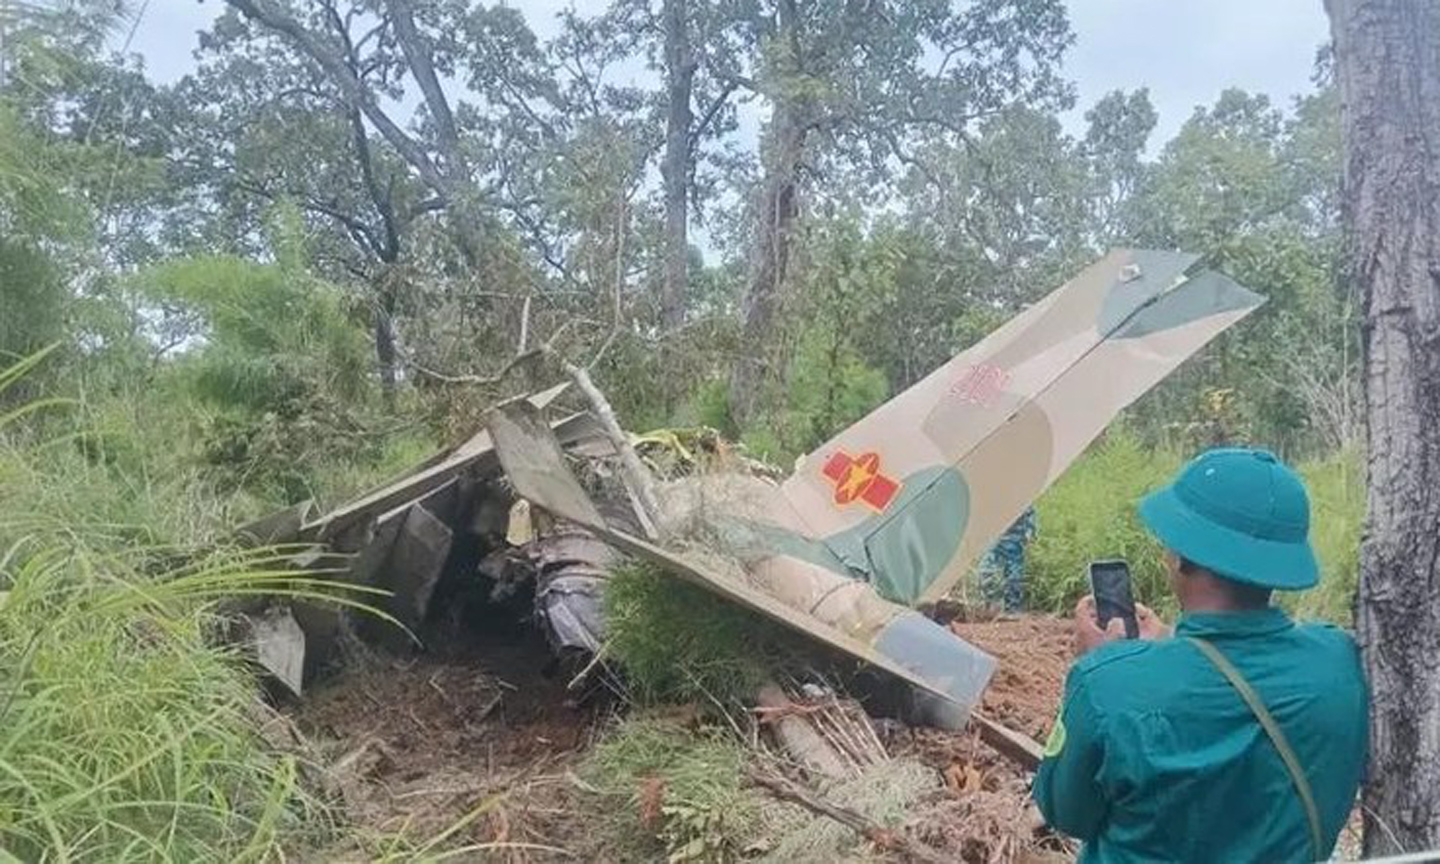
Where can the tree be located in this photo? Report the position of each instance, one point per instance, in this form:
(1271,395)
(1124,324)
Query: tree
(1118,126)
(680,69)
(79,173)
(691,45)
(284,108)
(852,83)
(1387,60)
(388,121)
(1251,189)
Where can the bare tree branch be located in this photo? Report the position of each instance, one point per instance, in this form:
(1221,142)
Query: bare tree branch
(710,113)
(269,16)
(418,54)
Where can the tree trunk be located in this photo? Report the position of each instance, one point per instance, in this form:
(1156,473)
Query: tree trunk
(778,209)
(385,353)
(675,170)
(779,206)
(1388,68)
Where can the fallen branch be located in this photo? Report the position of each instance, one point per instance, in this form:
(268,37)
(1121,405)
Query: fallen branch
(637,479)
(885,839)
(478,380)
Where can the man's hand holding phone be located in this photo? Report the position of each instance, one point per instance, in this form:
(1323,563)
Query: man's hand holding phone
(1110,611)
(1089,635)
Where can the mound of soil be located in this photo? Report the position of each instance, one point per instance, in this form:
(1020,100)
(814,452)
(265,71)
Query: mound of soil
(1033,655)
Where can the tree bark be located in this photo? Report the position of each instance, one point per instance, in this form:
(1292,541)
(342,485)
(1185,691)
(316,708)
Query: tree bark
(779,207)
(675,170)
(1388,69)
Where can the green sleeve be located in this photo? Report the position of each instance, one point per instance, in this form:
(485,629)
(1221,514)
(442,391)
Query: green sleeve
(1066,787)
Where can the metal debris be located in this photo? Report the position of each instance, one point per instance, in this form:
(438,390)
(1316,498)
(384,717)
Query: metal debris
(279,645)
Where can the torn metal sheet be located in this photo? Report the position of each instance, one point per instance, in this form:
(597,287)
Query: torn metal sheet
(366,566)
(279,644)
(535,464)
(951,669)
(357,542)
(415,563)
(406,556)
(416,482)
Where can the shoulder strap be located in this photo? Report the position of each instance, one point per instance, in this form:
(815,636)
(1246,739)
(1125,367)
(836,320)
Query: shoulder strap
(1277,737)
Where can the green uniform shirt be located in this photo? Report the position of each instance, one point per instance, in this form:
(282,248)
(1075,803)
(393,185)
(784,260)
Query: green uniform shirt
(1155,757)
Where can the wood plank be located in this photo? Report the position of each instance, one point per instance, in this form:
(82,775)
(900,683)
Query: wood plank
(1018,748)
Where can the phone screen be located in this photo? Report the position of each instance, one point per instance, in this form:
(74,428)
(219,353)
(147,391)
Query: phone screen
(1110,585)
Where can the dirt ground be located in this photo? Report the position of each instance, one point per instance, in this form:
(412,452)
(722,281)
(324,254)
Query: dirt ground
(420,744)
(985,813)
(1034,654)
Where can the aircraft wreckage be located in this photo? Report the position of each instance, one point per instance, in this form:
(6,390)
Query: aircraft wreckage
(880,521)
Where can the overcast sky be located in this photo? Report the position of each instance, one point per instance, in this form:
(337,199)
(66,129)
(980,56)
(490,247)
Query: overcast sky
(1185,51)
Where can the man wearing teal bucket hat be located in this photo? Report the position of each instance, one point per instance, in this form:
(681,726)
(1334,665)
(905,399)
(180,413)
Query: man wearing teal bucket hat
(1241,736)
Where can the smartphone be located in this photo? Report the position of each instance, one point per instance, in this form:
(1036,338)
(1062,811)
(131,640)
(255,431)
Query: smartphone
(1110,585)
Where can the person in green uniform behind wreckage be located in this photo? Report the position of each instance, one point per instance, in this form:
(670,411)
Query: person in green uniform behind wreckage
(1158,753)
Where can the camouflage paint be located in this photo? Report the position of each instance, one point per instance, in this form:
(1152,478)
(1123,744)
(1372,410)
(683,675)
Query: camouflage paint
(1010,414)
(899,553)
(1206,295)
(1156,273)
(975,443)
(913,544)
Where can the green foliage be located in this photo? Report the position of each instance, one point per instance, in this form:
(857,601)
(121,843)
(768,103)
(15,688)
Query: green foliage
(1254,193)
(710,407)
(830,388)
(1089,514)
(680,643)
(281,368)
(831,380)
(32,299)
(126,735)
(33,201)
(272,332)
(691,781)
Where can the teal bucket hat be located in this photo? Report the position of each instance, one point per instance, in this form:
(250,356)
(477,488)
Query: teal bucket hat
(1239,513)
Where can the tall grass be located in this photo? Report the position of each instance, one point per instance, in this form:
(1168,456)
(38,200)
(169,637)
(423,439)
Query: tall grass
(1090,514)
(125,730)
(1337,509)
(124,733)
